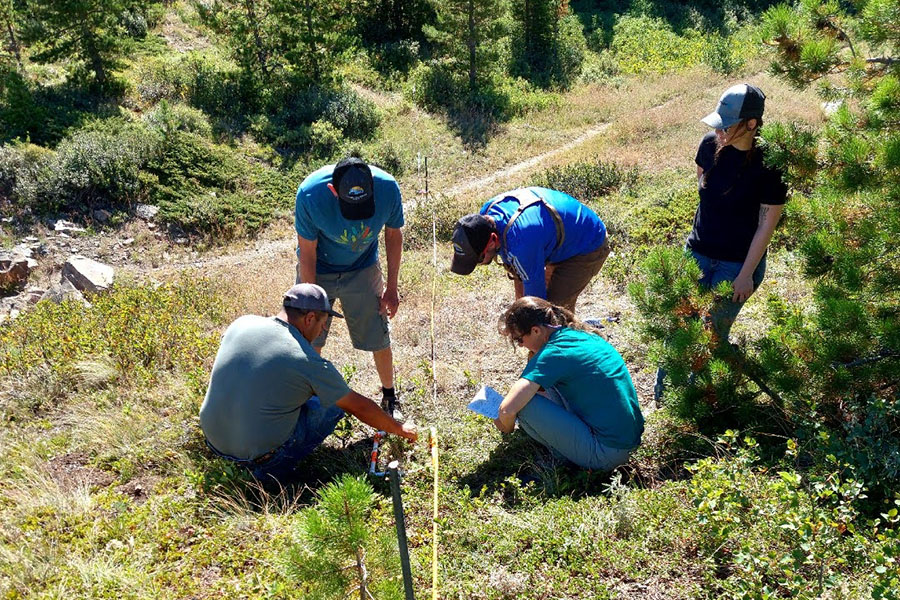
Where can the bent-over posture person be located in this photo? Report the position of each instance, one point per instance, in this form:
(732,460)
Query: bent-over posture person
(339,212)
(272,399)
(589,413)
(551,244)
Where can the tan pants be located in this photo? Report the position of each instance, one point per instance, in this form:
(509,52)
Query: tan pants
(567,279)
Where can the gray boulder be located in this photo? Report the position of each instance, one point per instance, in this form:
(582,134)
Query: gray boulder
(88,275)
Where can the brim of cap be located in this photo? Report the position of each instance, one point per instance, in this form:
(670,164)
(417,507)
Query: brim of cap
(335,313)
(716,121)
(357,211)
(463,265)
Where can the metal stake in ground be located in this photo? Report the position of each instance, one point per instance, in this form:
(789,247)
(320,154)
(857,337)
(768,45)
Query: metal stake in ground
(394,476)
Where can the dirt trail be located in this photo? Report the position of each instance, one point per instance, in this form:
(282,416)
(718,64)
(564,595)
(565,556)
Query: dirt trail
(287,245)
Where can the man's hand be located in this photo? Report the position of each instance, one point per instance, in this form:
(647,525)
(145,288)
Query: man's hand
(410,432)
(390,301)
(743,288)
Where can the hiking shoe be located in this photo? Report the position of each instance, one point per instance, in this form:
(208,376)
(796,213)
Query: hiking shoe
(391,405)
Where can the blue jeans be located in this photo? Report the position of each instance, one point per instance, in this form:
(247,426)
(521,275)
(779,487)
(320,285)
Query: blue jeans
(725,311)
(314,424)
(547,419)
(717,271)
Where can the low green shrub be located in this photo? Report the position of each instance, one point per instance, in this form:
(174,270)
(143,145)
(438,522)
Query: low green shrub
(587,180)
(202,79)
(208,189)
(782,532)
(299,114)
(100,163)
(643,44)
(142,329)
(168,117)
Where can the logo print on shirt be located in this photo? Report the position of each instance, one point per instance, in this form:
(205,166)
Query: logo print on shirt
(357,237)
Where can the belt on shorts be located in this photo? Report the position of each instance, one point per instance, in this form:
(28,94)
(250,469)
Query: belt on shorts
(259,460)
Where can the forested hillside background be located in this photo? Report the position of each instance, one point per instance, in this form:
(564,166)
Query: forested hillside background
(173,135)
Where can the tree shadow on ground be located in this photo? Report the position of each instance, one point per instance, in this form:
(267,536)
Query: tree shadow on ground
(474,126)
(239,490)
(521,465)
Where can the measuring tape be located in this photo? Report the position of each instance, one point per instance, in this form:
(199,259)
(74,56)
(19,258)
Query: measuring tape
(373,461)
(434,532)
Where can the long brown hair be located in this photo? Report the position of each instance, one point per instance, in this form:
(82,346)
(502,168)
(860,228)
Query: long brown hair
(747,159)
(530,311)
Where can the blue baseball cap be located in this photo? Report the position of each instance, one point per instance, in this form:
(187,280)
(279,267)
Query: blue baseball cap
(742,101)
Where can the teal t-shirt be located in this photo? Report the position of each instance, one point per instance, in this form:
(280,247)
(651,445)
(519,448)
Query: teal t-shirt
(592,377)
(345,245)
(264,372)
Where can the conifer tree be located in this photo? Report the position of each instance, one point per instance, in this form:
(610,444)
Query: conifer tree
(344,548)
(9,22)
(90,30)
(470,35)
(548,42)
(831,364)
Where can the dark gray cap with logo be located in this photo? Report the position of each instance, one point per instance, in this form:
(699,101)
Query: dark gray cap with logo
(470,238)
(352,180)
(309,296)
(742,101)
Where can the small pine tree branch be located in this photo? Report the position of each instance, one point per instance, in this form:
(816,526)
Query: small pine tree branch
(867,360)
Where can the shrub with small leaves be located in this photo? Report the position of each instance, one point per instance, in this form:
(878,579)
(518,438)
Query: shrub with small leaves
(587,180)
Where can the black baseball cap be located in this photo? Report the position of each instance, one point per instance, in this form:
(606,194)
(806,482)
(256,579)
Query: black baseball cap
(470,238)
(352,179)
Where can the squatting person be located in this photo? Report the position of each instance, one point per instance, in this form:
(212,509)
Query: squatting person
(272,399)
(589,412)
(551,244)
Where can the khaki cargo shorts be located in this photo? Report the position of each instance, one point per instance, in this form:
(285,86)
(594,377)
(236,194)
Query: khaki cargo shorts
(360,295)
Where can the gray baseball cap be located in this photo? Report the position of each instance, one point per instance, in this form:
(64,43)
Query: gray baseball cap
(309,296)
(742,101)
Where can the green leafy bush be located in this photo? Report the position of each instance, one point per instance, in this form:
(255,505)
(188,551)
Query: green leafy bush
(587,180)
(643,44)
(167,118)
(101,163)
(208,189)
(143,329)
(203,80)
(337,113)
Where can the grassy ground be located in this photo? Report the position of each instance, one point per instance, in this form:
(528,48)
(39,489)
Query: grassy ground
(108,491)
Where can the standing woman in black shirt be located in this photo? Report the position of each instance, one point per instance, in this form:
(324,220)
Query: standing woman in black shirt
(741,201)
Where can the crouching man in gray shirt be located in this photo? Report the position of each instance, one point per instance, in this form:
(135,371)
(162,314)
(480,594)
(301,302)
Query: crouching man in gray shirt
(272,399)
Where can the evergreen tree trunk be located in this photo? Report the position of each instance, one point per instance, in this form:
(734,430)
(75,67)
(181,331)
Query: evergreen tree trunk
(311,41)
(261,53)
(96,60)
(472,43)
(13,40)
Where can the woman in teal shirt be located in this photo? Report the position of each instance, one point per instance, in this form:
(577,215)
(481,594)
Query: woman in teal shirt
(589,412)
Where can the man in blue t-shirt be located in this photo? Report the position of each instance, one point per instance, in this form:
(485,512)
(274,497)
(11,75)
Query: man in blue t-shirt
(551,244)
(340,211)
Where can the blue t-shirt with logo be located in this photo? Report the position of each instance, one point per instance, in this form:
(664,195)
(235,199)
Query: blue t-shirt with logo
(345,245)
(592,377)
(531,241)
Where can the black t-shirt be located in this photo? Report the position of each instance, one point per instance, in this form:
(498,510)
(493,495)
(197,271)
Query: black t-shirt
(731,190)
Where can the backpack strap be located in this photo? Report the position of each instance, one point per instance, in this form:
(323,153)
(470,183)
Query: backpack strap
(526,197)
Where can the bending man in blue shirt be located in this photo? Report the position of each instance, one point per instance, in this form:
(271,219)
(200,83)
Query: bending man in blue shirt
(551,244)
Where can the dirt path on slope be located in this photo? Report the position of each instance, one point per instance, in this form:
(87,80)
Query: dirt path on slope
(287,245)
